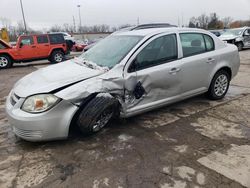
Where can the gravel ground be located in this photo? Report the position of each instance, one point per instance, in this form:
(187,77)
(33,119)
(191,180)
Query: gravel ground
(193,143)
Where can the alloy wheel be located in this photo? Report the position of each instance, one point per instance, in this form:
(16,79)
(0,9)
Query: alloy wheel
(58,57)
(3,62)
(221,85)
(103,119)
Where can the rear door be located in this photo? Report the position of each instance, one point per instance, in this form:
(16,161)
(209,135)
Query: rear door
(198,62)
(57,41)
(153,76)
(43,45)
(27,48)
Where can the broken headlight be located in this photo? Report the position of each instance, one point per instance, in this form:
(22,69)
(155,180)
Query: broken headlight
(39,103)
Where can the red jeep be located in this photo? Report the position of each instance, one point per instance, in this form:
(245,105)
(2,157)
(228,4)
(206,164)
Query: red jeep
(33,47)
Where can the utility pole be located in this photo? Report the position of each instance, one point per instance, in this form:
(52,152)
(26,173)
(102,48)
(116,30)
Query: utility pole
(80,19)
(24,22)
(74,24)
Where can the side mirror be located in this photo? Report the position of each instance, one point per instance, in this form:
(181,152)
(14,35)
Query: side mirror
(21,45)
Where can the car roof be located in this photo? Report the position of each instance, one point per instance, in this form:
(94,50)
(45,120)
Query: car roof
(41,34)
(154,31)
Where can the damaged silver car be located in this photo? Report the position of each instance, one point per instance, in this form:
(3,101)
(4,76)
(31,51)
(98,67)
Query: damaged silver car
(239,37)
(128,73)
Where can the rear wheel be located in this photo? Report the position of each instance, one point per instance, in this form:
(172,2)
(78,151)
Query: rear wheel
(96,114)
(57,56)
(5,62)
(219,85)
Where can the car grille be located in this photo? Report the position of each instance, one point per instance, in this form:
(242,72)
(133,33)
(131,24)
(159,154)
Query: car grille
(27,133)
(14,99)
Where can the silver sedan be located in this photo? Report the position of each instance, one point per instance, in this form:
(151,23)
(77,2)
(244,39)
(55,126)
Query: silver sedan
(128,73)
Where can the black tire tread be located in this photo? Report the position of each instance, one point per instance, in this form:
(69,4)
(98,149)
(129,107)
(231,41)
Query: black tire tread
(91,112)
(52,58)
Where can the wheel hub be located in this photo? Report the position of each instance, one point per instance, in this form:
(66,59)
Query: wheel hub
(3,62)
(58,57)
(103,120)
(221,85)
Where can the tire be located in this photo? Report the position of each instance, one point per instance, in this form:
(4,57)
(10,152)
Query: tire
(96,114)
(5,62)
(57,56)
(219,85)
(240,46)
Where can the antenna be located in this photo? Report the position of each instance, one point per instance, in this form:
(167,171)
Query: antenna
(138,21)
(182,25)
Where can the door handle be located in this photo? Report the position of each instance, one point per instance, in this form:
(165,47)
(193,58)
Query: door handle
(174,70)
(33,46)
(210,60)
(46,45)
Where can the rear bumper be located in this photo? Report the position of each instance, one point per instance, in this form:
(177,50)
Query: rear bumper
(51,125)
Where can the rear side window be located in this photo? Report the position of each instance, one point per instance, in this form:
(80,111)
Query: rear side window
(42,39)
(27,40)
(209,43)
(56,39)
(192,44)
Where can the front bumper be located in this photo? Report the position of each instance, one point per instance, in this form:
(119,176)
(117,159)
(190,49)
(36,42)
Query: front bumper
(50,125)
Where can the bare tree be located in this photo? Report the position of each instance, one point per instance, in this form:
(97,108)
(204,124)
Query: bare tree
(227,21)
(192,22)
(203,21)
(20,29)
(6,23)
(68,28)
(55,28)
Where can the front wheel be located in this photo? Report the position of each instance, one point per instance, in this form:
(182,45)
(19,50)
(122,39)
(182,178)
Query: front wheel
(57,56)
(219,85)
(5,62)
(96,114)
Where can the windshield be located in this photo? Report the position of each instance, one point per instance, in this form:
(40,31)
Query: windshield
(111,50)
(236,32)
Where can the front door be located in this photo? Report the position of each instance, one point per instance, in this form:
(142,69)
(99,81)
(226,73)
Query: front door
(27,48)
(153,77)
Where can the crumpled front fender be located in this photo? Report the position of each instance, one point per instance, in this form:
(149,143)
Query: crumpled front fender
(111,82)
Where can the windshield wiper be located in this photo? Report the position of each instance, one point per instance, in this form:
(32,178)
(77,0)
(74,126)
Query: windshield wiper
(91,64)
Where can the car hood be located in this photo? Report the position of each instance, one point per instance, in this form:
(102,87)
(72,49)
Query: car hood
(54,78)
(5,44)
(228,37)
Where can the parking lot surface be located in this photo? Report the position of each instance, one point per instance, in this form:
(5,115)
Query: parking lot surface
(193,143)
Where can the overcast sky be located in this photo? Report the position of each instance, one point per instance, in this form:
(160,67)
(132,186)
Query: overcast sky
(45,13)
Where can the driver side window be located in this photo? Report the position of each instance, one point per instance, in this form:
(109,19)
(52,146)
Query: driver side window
(159,51)
(27,40)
